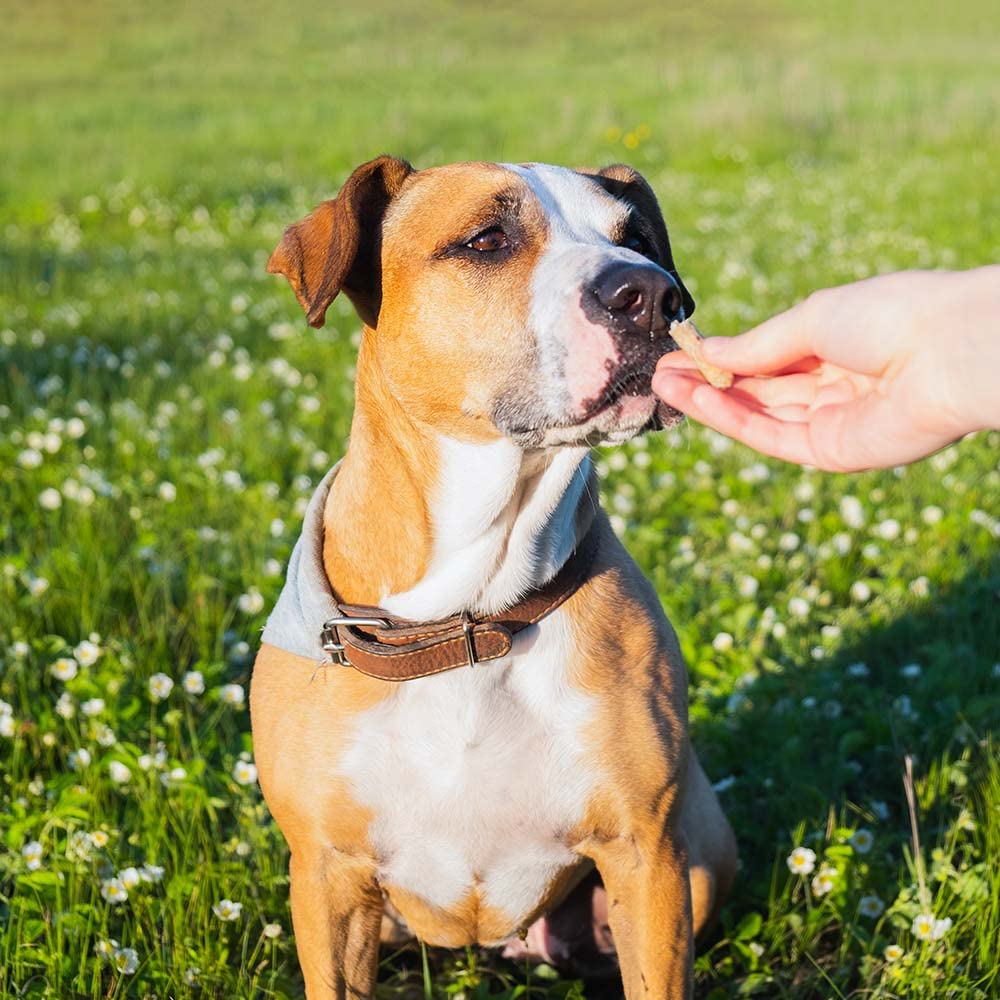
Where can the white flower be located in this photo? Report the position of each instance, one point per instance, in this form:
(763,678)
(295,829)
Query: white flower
(114,891)
(910,671)
(160,686)
(860,591)
(126,960)
(191,975)
(226,909)
(30,458)
(893,953)
(232,694)
(173,776)
(748,586)
(273,930)
(193,682)
(245,773)
(7,725)
(92,707)
(50,499)
(920,586)
(941,927)
(871,906)
(722,642)
(822,882)
(129,877)
(852,512)
(789,541)
(119,773)
(799,607)
(862,841)
(888,529)
(86,653)
(801,861)
(75,428)
(64,669)
(99,838)
(105,948)
(151,873)
(32,854)
(37,585)
(79,759)
(272,567)
(252,602)
(167,492)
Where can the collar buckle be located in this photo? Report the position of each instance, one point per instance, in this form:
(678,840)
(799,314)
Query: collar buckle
(330,638)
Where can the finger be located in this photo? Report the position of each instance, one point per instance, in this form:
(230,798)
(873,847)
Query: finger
(679,360)
(774,344)
(760,430)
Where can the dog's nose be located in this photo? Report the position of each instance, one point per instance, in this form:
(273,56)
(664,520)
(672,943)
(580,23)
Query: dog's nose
(640,299)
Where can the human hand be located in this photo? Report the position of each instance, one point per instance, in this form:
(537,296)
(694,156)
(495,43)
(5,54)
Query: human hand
(868,375)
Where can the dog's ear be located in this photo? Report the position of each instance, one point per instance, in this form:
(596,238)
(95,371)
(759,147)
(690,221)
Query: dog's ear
(629,185)
(337,247)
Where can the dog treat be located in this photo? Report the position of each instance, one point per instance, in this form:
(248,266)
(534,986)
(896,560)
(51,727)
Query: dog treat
(689,340)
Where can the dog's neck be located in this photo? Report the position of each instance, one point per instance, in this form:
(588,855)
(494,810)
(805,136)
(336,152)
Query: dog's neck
(426,526)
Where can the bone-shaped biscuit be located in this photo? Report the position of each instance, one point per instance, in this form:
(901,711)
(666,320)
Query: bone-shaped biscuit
(689,340)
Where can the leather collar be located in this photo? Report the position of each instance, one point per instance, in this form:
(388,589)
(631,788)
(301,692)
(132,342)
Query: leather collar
(389,648)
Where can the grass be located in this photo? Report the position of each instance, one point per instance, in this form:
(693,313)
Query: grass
(164,410)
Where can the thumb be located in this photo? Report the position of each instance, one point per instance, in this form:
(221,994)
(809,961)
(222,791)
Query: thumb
(770,347)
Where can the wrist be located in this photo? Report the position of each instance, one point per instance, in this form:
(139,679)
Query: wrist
(971,326)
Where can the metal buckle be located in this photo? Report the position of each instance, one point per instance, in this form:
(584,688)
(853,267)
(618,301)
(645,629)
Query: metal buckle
(328,636)
(467,626)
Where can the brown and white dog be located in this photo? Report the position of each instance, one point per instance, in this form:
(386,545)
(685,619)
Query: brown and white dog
(513,318)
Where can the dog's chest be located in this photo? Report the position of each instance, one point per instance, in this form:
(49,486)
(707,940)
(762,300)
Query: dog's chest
(476,776)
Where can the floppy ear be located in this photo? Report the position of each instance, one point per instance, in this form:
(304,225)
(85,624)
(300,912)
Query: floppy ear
(629,185)
(337,247)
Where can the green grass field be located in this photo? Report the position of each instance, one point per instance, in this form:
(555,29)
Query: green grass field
(164,411)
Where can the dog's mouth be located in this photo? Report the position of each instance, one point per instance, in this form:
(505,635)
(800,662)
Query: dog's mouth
(633,379)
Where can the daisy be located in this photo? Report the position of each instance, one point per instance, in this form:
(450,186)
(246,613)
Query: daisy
(893,953)
(32,854)
(232,694)
(87,652)
(273,930)
(129,877)
(801,861)
(126,960)
(119,773)
(871,906)
(245,773)
(862,841)
(160,686)
(227,910)
(251,603)
(193,682)
(79,759)
(64,669)
(823,881)
(114,891)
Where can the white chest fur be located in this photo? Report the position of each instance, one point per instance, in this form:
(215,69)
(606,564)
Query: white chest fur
(475,776)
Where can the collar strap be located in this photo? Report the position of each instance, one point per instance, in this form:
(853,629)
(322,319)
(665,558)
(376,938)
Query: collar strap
(394,649)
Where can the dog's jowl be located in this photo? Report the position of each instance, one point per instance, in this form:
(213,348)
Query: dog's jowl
(468,697)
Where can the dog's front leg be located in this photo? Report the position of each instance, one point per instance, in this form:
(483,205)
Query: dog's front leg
(337,913)
(649,911)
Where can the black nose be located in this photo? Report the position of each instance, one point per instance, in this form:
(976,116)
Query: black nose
(639,299)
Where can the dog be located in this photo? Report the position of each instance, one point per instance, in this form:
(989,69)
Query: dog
(468,697)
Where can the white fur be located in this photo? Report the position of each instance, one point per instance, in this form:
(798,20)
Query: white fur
(476,776)
(503,522)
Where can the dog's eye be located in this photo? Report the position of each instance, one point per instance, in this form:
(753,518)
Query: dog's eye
(635,242)
(489,241)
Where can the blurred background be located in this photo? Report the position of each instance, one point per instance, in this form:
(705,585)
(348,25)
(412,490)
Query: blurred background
(165,413)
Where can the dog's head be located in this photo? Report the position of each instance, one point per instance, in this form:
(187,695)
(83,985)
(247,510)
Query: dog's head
(530,301)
